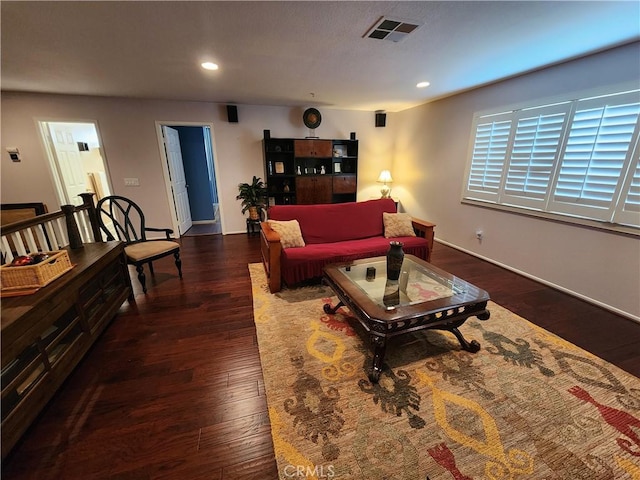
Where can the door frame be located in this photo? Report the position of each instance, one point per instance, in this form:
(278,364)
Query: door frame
(165,166)
(52,158)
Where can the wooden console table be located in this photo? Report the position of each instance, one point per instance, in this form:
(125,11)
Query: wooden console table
(46,334)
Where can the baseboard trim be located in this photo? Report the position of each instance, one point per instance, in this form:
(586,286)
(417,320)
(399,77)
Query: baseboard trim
(611,308)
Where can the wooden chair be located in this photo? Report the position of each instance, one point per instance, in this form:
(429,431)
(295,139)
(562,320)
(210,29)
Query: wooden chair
(120,217)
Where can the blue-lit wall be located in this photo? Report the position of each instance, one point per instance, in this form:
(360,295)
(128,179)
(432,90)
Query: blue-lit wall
(195,169)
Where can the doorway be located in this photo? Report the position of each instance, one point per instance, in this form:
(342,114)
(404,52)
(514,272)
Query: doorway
(76,160)
(189,165)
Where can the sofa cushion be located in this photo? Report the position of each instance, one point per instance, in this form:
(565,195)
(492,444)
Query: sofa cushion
(397,225)
(329,223)
(299,264)
(289,231)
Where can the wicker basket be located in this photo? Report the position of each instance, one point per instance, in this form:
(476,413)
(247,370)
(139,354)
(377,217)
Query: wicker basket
(35,276)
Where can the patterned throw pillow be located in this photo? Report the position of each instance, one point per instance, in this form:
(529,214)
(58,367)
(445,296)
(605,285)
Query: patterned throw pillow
(397,225)
(289,231)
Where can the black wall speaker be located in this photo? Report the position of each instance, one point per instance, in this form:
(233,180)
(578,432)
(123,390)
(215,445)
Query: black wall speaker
(353,135)
(267,134)
(232,113)
(381,119)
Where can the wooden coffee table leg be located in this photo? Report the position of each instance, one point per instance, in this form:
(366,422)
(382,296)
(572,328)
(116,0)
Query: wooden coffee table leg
(473,346)
(332,310)
(379,348)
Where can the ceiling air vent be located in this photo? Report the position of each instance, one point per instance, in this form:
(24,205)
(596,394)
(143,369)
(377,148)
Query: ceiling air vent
(389,29)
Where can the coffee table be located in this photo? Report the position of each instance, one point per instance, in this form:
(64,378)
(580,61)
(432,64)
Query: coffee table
(424,297)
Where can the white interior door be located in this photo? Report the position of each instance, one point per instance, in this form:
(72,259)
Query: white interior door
(72,174)
(178,181)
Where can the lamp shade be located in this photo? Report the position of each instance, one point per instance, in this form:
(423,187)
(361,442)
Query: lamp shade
(385,177)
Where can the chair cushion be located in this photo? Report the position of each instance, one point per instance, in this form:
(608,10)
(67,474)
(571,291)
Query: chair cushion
(143,250)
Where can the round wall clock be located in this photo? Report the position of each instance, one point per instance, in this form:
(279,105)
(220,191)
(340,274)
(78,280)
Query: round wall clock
(311,118)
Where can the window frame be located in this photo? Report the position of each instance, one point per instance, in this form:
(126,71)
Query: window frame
(617,216)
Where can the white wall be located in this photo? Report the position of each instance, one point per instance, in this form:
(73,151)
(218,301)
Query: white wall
(432,145)
(130,146)
(425,148)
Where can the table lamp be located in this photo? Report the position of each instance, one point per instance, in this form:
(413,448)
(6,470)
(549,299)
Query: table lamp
(384,178)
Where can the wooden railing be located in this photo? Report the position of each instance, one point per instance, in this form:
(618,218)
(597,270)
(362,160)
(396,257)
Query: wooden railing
(70,226)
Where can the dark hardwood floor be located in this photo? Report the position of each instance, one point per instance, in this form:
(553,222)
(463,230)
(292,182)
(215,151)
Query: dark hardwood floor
(173,389)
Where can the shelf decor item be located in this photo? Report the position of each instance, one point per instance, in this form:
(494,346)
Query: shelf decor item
(395,256)
(253,197)
(311,118)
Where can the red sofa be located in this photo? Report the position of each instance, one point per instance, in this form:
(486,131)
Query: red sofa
(338,232)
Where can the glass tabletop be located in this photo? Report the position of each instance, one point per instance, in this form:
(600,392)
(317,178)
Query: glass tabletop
(417,283)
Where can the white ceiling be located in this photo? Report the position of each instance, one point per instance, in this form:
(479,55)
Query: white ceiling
(295,53)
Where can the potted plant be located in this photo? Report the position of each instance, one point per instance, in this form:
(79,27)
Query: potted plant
(253,196)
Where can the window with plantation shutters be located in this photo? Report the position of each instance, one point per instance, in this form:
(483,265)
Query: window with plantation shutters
(577,158)
(532,156)
(488,157)
(597,155)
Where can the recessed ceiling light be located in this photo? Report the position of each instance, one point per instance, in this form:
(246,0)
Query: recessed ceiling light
(209,66)
(423,84)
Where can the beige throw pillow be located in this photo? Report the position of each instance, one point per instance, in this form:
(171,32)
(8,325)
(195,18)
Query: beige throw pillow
(289,231)
(397,225)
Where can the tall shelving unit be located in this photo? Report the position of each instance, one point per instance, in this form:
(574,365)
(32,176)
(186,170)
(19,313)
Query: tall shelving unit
(280,170)
(309,171)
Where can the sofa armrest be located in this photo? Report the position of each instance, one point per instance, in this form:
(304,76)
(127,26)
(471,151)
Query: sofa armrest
(424,229)
(271,248)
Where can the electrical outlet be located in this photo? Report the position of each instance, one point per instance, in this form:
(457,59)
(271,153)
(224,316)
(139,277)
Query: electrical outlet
(131,182)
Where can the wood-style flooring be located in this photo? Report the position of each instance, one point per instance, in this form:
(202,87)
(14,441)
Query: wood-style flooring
(196,229)
(173,389)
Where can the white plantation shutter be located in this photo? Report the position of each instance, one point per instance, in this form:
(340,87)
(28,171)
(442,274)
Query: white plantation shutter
(577,158)
(597,155)
(536,143)
(629,213)
(488,157)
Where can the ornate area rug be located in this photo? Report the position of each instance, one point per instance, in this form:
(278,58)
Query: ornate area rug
(528,405)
